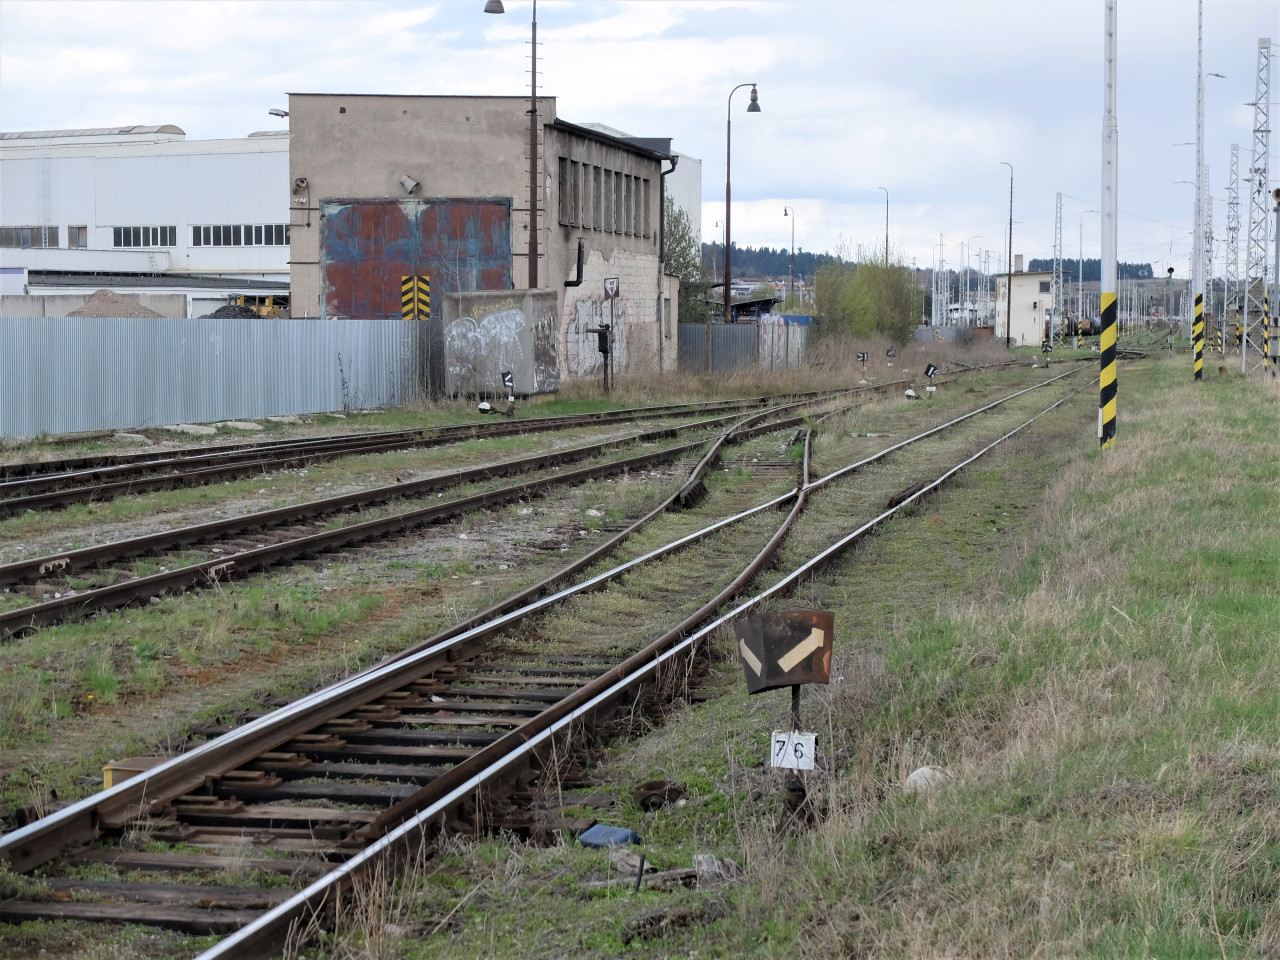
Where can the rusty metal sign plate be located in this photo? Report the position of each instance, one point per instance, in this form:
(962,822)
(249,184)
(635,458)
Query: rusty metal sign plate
(786,648)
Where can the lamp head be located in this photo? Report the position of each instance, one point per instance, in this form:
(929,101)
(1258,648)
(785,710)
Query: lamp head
(493,6)
(409,184)
(754,105)
(277,112)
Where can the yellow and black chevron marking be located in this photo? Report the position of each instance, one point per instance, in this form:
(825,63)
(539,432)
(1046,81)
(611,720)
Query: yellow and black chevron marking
(415,298)
(1107,382)
(1197,336)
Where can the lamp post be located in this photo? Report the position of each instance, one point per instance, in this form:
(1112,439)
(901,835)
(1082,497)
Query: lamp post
(791,280)
(495,6)
(886,225)
(1008,309)
(752,107)
(968,255)
(1080,272)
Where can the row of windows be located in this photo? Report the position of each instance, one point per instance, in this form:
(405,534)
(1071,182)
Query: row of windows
(144,236)
(233,235)
(241,235)
(28,237)
(601,199)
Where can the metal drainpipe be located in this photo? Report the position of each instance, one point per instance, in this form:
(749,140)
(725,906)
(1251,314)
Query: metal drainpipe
(662,255)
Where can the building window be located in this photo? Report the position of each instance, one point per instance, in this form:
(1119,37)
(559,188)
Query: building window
(28,237)
(628,223)
(642,206)
(648,222)
(77,238)
(143,236)
(1044,286)
(596,222)
(617,202)
(236,235)
(606,202)
(584,211)
(562,184)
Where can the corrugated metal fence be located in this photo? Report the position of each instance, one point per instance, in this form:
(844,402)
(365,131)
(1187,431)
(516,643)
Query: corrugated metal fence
(68,374)
(769,344)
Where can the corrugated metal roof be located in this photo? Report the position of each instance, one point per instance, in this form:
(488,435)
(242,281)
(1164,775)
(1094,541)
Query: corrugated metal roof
(269,133)
(135,130)
(70,278)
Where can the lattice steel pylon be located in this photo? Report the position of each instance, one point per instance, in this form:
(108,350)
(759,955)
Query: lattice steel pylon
(1259,195)
(1055,323)
(1209,318)
(1231,274)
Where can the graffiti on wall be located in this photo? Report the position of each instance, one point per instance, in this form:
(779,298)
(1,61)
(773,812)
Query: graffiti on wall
(486,334)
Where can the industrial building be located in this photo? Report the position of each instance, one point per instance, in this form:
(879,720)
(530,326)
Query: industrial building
(141,209)
(418,206)
(1032,304)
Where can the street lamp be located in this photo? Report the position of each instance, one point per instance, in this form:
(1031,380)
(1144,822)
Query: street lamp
(791,282)
(752,107)
(495,6)
(1080,272)
(1008,309)
(886,224)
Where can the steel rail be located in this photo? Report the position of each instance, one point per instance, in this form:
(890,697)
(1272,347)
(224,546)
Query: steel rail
(446,433)
(264,936)
(47,491)
(23,571)
(31,570)
(42,840)
(29,617)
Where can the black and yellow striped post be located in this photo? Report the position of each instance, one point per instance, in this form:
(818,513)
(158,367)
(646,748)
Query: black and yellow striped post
(1268,334)
(1197,336)
(1107,382)
(415,298)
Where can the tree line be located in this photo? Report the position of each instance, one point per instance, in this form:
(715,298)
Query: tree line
(1093,269)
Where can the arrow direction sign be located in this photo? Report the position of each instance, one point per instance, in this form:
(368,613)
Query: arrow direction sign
(786,648)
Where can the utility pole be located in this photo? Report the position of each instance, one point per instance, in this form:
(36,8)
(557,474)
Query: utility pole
(886,224)
(1008,310)
(1197,256)
(1231,275)
(1107,385)
(1055,319)
(1256,246)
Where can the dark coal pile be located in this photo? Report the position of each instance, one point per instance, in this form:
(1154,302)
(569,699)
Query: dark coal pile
(232,311)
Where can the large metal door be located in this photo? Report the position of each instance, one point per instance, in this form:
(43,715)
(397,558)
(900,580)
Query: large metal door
(367,248)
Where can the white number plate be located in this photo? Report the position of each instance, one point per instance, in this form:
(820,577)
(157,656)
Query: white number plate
(794,751)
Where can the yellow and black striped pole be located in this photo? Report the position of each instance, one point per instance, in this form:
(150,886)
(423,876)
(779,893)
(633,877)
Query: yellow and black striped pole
(1197,336)
(1107,383)
(408,297)
(415,298)
(1268,333)
(1108,262)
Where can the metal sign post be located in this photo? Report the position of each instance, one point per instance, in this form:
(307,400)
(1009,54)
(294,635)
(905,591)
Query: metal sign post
(930,371)
(862,359)
(788,649)
(611,288)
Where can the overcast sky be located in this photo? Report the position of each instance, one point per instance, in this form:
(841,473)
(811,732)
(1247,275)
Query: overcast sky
(924,99)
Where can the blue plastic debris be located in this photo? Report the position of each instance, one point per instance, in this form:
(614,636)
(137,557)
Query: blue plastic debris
(602,836)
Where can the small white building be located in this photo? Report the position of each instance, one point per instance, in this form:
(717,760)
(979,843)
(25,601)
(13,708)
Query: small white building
(1032,306)
(143,209)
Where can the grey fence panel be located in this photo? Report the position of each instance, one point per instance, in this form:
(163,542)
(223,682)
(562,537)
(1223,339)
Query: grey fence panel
(739,346)
(69,374)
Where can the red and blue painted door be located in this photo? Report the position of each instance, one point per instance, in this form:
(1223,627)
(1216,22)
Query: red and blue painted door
(369,249)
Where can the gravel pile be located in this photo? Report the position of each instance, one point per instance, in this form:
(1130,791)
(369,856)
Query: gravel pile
(232,311)
(108,303)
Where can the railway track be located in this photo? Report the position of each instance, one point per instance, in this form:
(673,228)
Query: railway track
(208,553)
(53,484)
(452,733)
